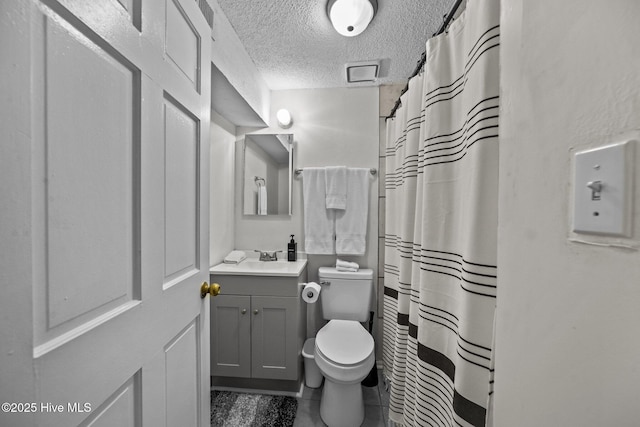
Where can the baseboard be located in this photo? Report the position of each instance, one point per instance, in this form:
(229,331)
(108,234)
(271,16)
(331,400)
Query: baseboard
(295,394)
(258,386)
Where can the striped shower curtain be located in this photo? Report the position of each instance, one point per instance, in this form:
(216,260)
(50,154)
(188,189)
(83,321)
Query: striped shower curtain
(441,229)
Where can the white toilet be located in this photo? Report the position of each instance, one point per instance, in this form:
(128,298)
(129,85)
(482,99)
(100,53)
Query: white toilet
(344,349)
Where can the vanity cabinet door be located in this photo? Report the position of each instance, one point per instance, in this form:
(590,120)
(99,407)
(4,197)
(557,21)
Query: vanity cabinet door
(274,337)
(231,336)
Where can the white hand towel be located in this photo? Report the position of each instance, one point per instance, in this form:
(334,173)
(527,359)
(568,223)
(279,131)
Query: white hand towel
(235,257)
(346,265)
(319,222)
(262,200)
(351,224)
(336,187)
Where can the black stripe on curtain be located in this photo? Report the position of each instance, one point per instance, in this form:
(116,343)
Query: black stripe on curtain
(391,292)
(403,319)
(467,410)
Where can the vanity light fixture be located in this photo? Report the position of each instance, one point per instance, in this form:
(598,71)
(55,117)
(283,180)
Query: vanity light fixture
(351,17)
(284,118)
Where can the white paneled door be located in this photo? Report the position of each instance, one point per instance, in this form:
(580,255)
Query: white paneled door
(104,124)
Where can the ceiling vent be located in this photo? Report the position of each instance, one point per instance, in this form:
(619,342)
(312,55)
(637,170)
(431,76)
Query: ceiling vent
(362,72)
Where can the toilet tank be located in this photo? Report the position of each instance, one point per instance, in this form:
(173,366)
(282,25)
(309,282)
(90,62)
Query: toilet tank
(345,295)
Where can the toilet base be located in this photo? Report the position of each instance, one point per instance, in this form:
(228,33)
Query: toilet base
(342,405)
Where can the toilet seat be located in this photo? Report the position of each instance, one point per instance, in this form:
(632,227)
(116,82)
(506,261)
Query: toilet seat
(344,343)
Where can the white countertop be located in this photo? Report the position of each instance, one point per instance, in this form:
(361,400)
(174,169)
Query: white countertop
(253,267)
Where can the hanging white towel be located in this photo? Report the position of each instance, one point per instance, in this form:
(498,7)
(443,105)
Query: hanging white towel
(351,224)
(319,222)
(336,187)
(262,200)
(346,266)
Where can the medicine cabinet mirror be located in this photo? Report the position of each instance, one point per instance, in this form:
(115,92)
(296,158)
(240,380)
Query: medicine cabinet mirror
(267,173)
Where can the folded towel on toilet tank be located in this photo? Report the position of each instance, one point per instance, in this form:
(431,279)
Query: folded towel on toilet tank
(346,265)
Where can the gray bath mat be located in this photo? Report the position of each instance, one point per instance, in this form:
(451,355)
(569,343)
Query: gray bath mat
(230,409)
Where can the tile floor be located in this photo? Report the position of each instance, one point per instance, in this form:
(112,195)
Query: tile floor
(376,406)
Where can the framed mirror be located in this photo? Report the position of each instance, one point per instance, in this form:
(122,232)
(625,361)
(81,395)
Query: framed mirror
(267,172)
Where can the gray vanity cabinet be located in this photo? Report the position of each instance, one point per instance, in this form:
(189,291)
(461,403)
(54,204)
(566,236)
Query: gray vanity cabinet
(255,337)
(274,349)
(231,336)
(258,325)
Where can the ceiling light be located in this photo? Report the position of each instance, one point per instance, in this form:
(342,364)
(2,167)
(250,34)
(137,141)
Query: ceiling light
(351,17)
(284,118)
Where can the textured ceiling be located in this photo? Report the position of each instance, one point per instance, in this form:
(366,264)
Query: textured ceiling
(294,45)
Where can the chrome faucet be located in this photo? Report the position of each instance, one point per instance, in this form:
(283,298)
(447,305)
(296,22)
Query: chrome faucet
(268,256)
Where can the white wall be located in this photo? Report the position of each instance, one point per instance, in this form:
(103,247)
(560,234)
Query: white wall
(567,347)
(222,154)
(330,127)
(230,57)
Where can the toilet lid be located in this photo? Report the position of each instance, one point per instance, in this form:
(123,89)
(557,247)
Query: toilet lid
(344,342)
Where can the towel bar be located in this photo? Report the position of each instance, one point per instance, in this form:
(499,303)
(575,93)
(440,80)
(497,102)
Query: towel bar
(372,170)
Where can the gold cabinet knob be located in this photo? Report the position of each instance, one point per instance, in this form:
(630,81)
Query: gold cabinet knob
(213,289)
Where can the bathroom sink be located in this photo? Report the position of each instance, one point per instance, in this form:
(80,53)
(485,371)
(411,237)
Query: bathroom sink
(253,267)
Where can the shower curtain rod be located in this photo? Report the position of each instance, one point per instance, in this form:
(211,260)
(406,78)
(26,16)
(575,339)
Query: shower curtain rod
(447,20)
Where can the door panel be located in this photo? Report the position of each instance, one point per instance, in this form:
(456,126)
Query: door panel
(85,152)
(121,409)
(182,42)
(110,223)
(273,347)
(182,368)
(274,338)
(132,9)
(231,336)
(181,197)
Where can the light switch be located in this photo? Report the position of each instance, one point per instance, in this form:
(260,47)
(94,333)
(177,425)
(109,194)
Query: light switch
(602,190)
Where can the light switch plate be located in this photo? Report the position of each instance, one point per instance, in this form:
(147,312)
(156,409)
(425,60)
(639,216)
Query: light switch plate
(603,190)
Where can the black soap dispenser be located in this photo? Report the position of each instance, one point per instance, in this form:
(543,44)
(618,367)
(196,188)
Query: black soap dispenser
(291,250)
